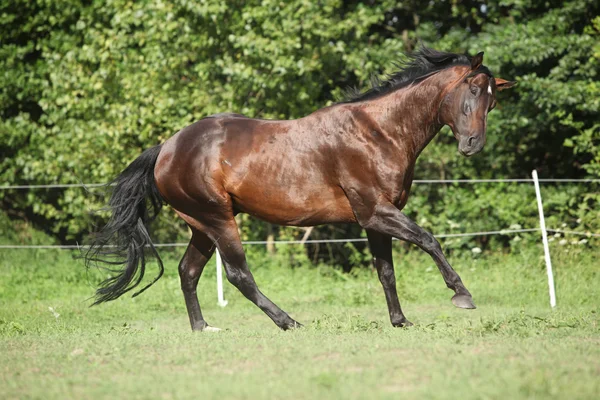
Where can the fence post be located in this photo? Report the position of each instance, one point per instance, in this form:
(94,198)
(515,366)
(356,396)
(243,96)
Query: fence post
(545,240)
(220,298)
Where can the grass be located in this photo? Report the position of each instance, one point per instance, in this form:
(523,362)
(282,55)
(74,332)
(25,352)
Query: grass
(512,346)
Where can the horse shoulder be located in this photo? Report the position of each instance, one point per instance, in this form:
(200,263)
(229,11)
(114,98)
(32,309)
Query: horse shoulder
(376,161)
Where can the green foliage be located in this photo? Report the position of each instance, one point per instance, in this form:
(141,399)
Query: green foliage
(551,49)
(86,86)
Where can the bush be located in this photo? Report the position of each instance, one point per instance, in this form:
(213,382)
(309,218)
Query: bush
(86,86)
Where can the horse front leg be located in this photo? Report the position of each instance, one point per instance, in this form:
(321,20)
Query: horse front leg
(381,248)
(388,220)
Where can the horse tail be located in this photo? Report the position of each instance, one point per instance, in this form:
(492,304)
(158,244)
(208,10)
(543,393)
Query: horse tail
(125,241)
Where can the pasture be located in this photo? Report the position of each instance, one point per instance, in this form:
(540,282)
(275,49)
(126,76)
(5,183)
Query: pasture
(53,346)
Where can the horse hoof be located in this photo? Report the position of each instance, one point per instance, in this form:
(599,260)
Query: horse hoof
(403,324)
(292,326)
(463,301)
(211,329)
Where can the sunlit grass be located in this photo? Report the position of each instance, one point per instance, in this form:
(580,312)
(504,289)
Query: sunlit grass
(513,346)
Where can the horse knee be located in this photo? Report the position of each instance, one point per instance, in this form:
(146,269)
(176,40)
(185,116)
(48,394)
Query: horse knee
(432,244)
(425,240)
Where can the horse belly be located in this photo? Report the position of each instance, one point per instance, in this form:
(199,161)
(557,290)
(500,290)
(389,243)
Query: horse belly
(294,206)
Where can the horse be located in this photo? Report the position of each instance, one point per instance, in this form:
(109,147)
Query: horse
(350,162)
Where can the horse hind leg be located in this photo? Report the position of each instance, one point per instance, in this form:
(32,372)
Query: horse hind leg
(198,252)
(228,242)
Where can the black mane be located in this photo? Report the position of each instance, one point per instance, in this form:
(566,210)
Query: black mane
(419,65)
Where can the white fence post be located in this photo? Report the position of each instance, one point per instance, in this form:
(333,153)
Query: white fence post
(220,298)
(545,240)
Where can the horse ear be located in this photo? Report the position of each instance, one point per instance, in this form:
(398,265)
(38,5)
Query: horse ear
(477,61)
(502,84)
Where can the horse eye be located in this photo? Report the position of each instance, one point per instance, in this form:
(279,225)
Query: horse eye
(474,90)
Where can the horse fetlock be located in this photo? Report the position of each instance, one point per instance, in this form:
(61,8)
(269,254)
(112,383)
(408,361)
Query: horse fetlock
(209,328)
(198,326)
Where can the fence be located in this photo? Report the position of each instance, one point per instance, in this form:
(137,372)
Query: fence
(220,297)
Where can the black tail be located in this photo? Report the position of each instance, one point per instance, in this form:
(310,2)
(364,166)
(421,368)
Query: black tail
(125,241)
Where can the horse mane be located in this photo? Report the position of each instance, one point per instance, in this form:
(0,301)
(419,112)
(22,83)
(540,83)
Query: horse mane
(416,66)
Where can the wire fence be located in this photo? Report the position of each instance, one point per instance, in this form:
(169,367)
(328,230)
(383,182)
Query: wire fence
(314,241)
(221,300)
(587,234)
(264,242)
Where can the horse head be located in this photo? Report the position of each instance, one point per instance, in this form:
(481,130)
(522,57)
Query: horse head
(467,104)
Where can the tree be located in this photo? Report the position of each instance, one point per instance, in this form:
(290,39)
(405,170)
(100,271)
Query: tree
(88,85)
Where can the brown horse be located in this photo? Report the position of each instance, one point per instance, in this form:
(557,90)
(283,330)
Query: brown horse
(352,162)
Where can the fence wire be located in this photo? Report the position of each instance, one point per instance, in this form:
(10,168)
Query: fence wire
(588,234)
(314,241)
(262,242)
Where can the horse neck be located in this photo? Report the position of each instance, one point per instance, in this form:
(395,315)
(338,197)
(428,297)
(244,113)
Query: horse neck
(411,114)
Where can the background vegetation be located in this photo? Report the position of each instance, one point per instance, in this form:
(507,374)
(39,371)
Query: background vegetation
(85,86)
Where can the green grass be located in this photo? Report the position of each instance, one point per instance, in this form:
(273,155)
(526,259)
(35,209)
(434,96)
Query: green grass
(513,346)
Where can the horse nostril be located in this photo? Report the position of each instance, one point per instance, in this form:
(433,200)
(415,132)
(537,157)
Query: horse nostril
(470,141)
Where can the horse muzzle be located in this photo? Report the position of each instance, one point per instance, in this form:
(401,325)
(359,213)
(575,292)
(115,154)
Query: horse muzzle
(469,145)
